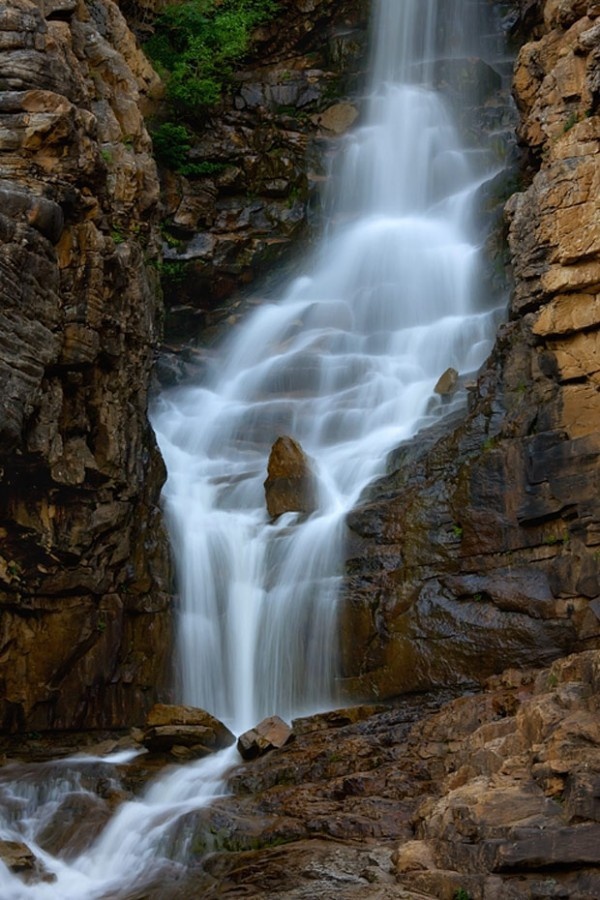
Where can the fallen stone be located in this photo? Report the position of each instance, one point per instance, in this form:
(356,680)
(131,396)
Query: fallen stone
(337,119)
(17,857)
(169,727)
(290,484)
(270,734)
(447,383)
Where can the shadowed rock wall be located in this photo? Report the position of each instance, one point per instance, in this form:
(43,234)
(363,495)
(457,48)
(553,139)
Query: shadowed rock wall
(84,604)
(481,547)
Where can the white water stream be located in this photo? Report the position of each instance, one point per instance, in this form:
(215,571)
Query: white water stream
(345,362)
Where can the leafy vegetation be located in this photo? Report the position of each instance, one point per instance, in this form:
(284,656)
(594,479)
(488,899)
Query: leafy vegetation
(171,144)
(195,44)
(172,271)
(461,894)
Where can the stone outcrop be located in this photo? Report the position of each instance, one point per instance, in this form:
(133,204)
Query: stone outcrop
(480,548)
(270,734)
(268,146)
(493,794)
(184,731)
(84,603)
(291,484)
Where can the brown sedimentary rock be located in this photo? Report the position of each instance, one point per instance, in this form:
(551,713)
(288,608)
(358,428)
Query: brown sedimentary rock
(270,734)
(290,484)
(270,140)
(185,727)
(84,602)
(495,793)
(185,731)
(480,548)
(447,383)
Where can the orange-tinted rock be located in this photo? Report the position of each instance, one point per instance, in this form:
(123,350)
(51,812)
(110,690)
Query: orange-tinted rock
(84,570)
(447,383)
(478,549)
(169,727)
(290,484)
(270,734)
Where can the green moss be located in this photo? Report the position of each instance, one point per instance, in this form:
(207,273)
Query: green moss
(172,271)
(572,120)
(202,169)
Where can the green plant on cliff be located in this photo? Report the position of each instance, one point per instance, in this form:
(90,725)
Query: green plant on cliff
(171,144)
(195,44)
(461,894)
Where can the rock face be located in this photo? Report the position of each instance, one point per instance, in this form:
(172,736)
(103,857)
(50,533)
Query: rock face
(84,605)
(269,146)
(480,548)
(290,484)
(494,795)
(270,734)
(184,731)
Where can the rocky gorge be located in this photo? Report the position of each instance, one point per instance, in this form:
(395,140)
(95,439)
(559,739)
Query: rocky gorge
(478,551)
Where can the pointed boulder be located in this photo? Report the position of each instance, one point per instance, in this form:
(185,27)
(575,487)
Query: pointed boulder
(291,484)
(270,734)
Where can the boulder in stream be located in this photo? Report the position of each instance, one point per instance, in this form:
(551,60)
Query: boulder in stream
(173,729)
(447,383)
(290,484)
(17,857)
(270,734)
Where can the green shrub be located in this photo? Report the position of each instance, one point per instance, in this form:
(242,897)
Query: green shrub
(195,44)
(171,144)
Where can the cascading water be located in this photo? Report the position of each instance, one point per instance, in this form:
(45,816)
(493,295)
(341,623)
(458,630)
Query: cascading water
(346,364)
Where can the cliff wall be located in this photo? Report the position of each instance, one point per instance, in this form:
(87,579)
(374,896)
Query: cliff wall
(486,537)
(84,603)
(480,549)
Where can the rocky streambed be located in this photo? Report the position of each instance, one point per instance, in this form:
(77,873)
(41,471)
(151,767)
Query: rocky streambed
(495,794)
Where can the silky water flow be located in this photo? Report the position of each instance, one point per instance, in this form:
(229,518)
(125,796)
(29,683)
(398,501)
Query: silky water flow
(345,363)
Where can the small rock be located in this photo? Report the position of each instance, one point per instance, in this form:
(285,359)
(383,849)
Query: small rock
(171,728)
(447,383)
(270,734)
(19,859)
(337,119)
(290,484)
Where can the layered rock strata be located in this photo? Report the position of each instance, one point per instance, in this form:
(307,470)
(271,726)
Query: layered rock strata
(84,604)
(490,796)
(481,548)
(268,146)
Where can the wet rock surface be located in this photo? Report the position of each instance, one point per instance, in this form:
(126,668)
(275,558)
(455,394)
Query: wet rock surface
(184,731)
(20,860)
(480,547)
(493,793)
(291,484)
(270,734)
(84,592)
(269,145)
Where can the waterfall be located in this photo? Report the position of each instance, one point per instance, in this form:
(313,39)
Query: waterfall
(345,362)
